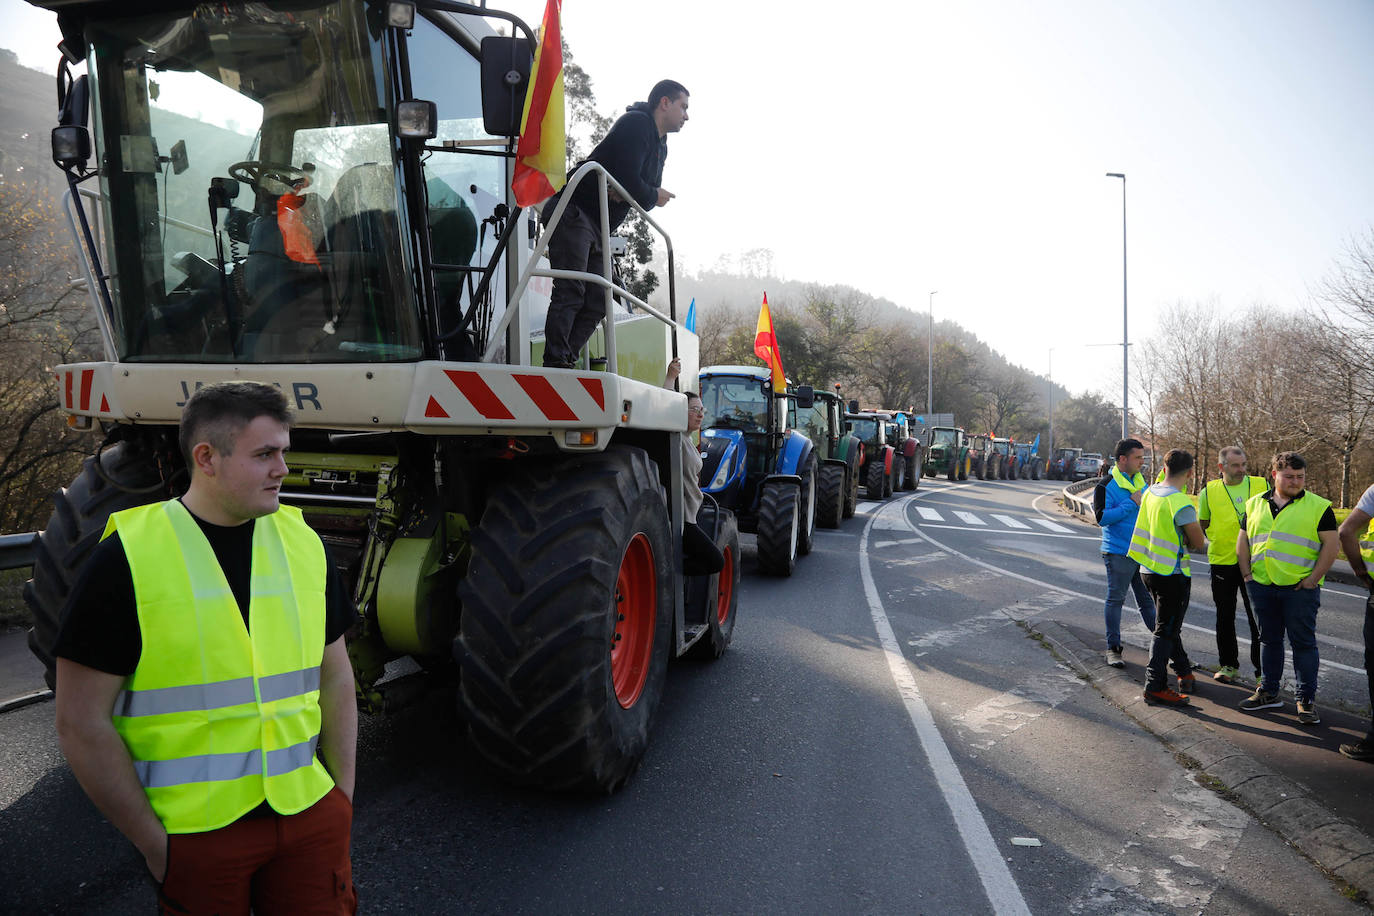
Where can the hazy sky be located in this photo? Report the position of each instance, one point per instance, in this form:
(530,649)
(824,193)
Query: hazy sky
(961,147)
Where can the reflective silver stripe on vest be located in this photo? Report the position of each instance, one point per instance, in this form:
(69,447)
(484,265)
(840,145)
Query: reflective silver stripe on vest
(1145,535)
(1295,539)
(191,698)
(1274,552)
(1367,545)
(288,759)
(291,684)
(160,774)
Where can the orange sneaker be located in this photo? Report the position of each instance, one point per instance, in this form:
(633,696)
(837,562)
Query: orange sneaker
(1165,697)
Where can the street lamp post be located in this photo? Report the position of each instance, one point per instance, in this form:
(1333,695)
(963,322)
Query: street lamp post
(1125,348)
(1049,452)
(930,357)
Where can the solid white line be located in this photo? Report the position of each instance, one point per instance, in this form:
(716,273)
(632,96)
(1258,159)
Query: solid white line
(998,883)
(1011,522)
(970,519)
(929,513)
(1049,525)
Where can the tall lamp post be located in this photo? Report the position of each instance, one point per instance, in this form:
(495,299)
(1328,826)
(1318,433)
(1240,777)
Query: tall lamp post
(930,357)
(1125,348)
(1049,452)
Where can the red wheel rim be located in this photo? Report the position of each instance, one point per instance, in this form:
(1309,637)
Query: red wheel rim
(725,590)
(632,646)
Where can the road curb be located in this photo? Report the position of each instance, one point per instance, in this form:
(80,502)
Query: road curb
(1323,836)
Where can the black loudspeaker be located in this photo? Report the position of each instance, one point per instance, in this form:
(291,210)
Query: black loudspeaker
(506,64)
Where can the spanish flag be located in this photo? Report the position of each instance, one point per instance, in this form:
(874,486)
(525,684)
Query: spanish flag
(766,346)
(541,164)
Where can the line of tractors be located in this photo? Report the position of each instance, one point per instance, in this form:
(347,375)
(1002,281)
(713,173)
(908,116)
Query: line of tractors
(786,462)
(959,456)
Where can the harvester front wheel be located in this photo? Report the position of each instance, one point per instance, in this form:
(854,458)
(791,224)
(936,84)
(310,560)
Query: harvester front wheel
(121,476)
(566,621)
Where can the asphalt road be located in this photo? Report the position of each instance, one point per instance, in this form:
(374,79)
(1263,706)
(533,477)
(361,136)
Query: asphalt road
(884,736)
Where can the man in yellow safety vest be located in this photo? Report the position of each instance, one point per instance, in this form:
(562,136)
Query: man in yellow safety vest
(201,665)
(1220,507)
(1165,530)
(1357,541)
(1285,547)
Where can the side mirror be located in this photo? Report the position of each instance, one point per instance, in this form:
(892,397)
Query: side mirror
(71,146)
(71,141)
(506,64)
(848,427)
(854,406)
(806,397)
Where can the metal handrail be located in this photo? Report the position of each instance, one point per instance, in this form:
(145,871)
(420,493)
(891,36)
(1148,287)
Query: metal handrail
(16,550)
(604,180)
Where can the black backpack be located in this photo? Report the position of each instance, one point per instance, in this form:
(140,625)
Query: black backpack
(1100,499)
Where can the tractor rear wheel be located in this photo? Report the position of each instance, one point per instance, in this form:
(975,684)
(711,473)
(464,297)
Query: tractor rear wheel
(964,468)
(806,530)
(566,621)
(723,593)
(897,481)
(851,491)
(875,484)
(913,473)
(122,476)
(830,496)
(779,511)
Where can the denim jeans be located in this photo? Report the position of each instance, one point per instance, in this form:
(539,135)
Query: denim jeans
(1292,611)
(1124,573)
(1171,594)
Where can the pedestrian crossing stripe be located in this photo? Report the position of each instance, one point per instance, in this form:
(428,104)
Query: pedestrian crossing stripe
(969,518)
(1049,525)
(930,514)
(1011,522)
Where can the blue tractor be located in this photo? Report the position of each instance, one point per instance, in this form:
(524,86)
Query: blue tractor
(753,464)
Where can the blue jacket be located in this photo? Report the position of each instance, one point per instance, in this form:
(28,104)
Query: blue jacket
(1117,517)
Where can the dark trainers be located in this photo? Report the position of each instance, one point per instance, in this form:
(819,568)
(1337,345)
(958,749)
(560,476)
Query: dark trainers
(1165,697)
(1360,750)
(1307,713)
(1261,700)
(1187,684)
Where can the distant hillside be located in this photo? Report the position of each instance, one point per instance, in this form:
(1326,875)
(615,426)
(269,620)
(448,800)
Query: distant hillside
(28,113)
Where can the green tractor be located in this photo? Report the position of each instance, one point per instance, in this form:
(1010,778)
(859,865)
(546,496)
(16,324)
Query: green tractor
(948,453)
(840,453)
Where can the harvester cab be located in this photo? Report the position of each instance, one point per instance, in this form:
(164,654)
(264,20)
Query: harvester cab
(316,194)
(757,463)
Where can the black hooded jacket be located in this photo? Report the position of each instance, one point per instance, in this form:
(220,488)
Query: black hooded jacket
(633,153)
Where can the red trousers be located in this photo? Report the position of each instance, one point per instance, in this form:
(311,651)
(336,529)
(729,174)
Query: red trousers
(296,864)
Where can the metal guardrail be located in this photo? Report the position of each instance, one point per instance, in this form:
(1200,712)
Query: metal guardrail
(1077,503)
(16,550)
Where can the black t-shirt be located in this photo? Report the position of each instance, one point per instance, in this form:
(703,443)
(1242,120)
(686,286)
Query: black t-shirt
(100,622)
(1326,523)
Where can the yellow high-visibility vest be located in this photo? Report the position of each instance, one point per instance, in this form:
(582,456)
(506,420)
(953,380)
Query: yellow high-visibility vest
(1283,550)
(217,717)
(1367,545)
(1155,543)
(1224,525)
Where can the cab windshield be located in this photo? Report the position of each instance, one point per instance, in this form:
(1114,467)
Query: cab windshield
(943,437)
(735,403)
(866,428)
(248,186)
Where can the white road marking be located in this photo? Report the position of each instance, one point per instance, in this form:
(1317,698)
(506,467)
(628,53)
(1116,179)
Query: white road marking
(1011,522)
(996,718)
(1024,534)
(1049,525)
(998,884)
(929,513)
(969,518)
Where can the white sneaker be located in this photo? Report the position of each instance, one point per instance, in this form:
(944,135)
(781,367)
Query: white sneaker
(1114,658)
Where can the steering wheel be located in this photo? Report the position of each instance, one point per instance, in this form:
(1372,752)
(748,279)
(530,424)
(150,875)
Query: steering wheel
(269,177)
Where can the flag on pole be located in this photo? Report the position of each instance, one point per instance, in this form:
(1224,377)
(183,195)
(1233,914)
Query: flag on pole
(541,164)
(1035,447)
(690,323)
(766,346)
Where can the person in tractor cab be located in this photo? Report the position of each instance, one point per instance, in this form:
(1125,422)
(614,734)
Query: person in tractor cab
(633,152)
(700,555)
(201,663)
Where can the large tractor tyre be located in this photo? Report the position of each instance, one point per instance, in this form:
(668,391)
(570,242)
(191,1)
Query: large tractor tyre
(913,473)
(851,490)
(806,530)
(723,594)
(830,495)
(953,473)
(896,479)
(964,468)
(121,476)
(1035,472)
(778,521)
(875,482)
(567,621)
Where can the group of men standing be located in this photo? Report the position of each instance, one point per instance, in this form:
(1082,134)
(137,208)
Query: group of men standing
(1270,543)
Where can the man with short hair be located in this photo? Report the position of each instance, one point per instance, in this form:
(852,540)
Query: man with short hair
(1357,541)
(633,152)
(201,663)
(1165,531)
(1116,503)
(1220,507)
(1286,545)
